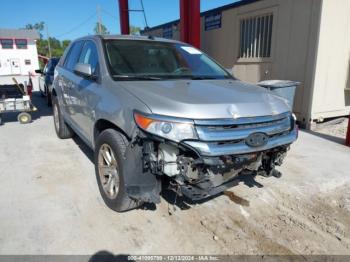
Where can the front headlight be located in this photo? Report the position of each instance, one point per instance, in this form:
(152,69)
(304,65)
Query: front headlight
(166,127)
(293,121)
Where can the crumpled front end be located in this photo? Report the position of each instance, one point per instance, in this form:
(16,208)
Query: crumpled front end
(226,151)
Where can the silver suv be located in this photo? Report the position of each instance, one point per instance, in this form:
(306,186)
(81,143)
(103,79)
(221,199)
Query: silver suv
(160,112)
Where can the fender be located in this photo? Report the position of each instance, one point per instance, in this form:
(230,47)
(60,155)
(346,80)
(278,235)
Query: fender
(140,183)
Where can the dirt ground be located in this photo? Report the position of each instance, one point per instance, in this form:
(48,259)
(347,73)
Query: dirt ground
(50,204)
(336,127)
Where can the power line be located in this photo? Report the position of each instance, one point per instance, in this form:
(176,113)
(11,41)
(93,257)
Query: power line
(130,10)
(144,13)
(78,26)
(108,13)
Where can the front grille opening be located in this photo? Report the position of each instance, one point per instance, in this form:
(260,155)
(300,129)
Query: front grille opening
(231,142)
(244,126)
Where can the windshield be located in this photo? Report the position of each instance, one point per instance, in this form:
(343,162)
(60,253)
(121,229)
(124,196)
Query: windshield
(151,60)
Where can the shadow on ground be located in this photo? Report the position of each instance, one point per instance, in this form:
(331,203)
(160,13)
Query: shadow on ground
(185,203)
(106,256)
(170,195)
(331,138)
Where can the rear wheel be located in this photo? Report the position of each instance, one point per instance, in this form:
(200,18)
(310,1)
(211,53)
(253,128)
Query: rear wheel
(41,92)
(48,97)
(24,118)
(109,158)
(63,131)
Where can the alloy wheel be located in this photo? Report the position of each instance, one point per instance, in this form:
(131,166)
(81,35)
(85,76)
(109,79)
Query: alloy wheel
(108,171)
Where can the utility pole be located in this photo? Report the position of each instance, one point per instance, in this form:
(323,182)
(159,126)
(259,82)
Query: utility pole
(99,22)
(124,17)
(48,39)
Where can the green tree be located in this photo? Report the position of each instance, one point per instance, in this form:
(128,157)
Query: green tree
(65,44)
(134,30)
(37,26)
(102,27)
(57,46)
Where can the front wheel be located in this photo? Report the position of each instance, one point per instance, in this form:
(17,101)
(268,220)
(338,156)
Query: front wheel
(109,159)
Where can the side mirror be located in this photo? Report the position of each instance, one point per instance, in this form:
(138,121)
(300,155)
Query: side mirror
(39,71)
(84,70)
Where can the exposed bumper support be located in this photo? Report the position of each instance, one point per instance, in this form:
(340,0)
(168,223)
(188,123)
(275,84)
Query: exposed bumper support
(217,149)
(140,184)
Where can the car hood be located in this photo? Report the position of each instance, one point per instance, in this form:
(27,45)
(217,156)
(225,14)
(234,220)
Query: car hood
(206,99)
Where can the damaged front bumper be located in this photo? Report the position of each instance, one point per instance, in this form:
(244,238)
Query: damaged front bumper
(220,149)
(215,162)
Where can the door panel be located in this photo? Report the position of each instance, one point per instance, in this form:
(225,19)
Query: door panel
(85,92)
(42,79)
(84,105)
(15,66)
(69,80)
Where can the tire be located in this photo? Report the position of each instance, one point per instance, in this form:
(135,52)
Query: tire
(63,131)
(48,98)
(24,118)
(116,198)
(41,92)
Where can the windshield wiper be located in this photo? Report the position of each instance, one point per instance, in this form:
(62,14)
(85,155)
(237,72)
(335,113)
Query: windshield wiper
(204,77)
(132,77)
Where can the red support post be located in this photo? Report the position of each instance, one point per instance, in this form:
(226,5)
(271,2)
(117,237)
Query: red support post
(348,135)
(190,22)
(124,17)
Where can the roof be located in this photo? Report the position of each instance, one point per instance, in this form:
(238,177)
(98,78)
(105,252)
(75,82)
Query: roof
(19,33)
(138,37)
(206,13)
(126,37)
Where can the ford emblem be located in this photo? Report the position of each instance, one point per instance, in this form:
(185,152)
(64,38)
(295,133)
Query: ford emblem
(257,139)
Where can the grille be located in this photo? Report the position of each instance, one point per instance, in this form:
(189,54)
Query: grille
(236,130)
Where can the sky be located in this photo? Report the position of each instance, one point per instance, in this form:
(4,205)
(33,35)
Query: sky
(70,19)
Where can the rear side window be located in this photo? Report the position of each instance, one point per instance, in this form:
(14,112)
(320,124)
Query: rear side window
(53,63)
(46,68)
(89,55)
(73,55)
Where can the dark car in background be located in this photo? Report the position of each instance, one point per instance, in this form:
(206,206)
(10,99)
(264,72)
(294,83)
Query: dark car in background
(46,78)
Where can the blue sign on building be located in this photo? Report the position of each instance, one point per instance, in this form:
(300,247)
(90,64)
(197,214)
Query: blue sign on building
(212,21)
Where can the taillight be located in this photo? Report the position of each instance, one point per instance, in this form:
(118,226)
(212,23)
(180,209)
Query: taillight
(30,89)
(30,86)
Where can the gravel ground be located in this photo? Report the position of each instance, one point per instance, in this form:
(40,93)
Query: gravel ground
(336,128)
(50,204)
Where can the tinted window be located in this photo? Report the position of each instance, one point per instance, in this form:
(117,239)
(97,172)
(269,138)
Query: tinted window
(52,64)
(73,55)
(6,43)
(21,43)
(89,55)
(46,67)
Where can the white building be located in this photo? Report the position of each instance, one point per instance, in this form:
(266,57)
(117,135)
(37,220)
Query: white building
(18,53)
